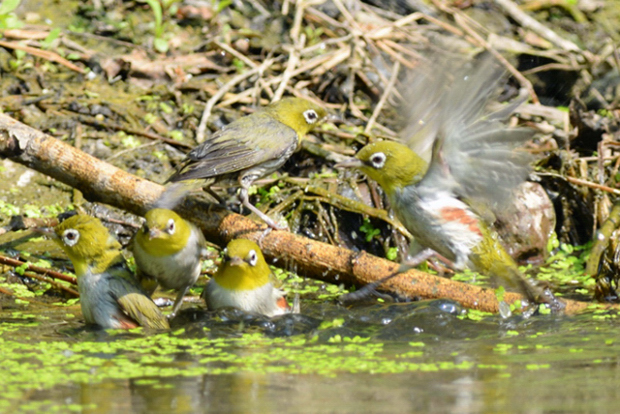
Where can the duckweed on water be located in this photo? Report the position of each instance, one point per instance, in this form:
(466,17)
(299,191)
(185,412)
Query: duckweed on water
(50,363)
(219,345)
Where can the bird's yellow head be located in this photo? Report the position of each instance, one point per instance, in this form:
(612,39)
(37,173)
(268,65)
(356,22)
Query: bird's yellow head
(391,164)
(244,267)
(163,233)
(87,243)
(297,113)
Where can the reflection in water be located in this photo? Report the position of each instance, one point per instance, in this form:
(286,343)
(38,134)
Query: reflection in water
(466,392)
(105,397)
(253,393)
(420,357)
(175,395)
(573,388)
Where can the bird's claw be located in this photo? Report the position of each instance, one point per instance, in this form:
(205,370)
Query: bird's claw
(268,230)
(262,236)
(358,295)
(276,226)
(268,220)
(367,290)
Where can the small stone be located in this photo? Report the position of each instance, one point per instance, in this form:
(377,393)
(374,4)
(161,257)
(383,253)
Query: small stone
(527,224)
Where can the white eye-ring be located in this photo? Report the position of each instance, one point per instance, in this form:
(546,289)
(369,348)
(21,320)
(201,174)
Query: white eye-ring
(252,258)
(311,116)
(170,227)
(70,237)
(377,160)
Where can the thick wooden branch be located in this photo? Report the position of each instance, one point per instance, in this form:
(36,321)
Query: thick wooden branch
(100,181)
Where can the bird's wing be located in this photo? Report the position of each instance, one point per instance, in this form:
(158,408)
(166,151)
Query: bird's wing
(277,283)
(474,153)
(133,301)
(247,142)
(423,96)
(201,242)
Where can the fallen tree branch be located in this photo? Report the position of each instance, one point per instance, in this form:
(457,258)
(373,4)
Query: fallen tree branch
(72,292)
(47,272)
(102,182)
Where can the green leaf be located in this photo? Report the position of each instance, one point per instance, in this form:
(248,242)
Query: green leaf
(368,229)
(53,35)
(21,269)
(7,6)
(392,253)
(156,7)
(499,293)
(222,5)
(160,45)
(176,135)
(165,108)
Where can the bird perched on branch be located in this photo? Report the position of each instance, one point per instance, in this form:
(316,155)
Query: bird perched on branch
(252,147)
(475,161)
(110,295)
(168,251)
(244,281)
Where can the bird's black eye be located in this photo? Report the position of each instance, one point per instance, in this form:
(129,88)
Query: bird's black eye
(70,237)
(252,258)
(170,227)
(311,116)
(377,160)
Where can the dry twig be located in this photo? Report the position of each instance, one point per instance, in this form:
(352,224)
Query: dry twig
(530,23)
(45,54)
(200,132)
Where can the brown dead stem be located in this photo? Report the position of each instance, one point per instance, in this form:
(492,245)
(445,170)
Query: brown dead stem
(45,54)
(47,272)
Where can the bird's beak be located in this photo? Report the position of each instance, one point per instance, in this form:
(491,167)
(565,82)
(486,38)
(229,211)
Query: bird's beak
(235,261)
(334,119)
(46,231)
(154,233)
(350,163)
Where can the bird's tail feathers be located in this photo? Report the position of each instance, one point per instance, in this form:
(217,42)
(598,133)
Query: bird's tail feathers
(174,194)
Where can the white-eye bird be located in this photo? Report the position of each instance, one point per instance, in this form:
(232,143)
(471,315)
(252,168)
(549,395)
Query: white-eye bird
(252,147)
(168,251)
(474,160)
(244,281)
(110,295)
